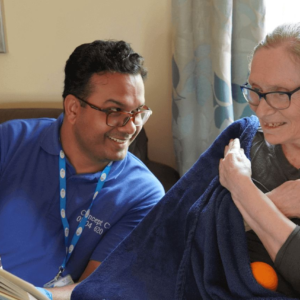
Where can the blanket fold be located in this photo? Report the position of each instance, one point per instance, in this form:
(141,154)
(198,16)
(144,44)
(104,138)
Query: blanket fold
(192,245)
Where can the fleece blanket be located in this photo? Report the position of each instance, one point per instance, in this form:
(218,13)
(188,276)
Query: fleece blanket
(192,244)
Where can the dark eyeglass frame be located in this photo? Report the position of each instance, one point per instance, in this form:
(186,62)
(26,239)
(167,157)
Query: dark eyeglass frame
(109,111)
(263,95)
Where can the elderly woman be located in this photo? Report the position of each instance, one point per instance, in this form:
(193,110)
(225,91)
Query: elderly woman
(192,245)
(267,190)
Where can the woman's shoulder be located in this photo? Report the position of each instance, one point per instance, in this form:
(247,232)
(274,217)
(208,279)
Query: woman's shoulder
(259,141)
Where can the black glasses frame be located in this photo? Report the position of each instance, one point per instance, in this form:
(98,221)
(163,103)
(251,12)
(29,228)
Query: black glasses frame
(263,95)
(109,111)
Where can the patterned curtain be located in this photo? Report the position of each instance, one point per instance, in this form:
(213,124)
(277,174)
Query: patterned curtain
(212,43)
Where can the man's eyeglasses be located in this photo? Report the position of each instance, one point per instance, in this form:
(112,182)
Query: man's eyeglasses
(278,100)
(118,118)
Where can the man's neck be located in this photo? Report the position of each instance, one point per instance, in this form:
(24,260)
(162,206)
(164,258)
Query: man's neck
(77,158)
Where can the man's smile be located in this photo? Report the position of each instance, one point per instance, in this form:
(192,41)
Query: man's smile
(118,140)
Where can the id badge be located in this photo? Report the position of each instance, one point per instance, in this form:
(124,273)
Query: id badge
(59,282)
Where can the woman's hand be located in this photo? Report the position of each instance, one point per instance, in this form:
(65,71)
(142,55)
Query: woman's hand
(234,167)
(257,209)
(286,197)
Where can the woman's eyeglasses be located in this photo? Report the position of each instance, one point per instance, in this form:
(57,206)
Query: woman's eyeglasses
(278,100)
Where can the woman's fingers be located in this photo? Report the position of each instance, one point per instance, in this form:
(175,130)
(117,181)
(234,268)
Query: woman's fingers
(233,146)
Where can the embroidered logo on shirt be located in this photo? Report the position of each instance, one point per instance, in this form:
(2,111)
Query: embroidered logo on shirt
(97,225)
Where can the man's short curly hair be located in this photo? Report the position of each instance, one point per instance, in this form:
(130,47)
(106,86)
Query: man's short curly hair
(99,57)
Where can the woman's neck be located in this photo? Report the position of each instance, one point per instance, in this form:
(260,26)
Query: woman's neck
(292,154)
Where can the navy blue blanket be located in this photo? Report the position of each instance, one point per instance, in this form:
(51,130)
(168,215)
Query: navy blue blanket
(192,245)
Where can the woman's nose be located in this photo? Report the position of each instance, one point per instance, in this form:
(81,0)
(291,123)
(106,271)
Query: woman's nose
(263,108)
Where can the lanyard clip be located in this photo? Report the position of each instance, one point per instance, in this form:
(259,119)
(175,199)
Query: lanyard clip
(61,269)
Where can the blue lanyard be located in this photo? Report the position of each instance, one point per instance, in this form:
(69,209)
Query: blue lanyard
(62,184)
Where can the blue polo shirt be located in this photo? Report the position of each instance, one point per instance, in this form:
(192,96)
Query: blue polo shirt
(31,231)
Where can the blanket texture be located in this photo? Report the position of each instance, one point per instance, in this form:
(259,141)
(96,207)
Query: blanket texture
(192,245)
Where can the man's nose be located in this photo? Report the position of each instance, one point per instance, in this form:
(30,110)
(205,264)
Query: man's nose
(129,127)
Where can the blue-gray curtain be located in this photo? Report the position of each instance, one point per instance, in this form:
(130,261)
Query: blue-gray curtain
(212,43)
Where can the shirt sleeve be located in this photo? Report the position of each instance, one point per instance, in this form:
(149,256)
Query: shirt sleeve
(287,260)
(129,221)
(1,150)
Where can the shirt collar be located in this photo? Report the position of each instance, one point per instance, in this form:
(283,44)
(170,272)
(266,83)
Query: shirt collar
(50,137)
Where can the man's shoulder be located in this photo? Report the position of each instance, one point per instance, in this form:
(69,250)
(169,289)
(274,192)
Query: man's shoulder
(136,171)
(134,159)
(23,133)
(21,126)
(134,162)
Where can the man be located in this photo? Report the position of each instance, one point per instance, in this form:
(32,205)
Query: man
(70,191)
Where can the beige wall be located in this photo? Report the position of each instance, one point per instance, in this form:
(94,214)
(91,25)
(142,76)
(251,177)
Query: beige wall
(41,34)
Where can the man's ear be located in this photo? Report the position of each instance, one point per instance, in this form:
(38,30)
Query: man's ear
(72,107)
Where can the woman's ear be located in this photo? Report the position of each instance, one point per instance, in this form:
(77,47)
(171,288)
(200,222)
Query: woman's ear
(72,107)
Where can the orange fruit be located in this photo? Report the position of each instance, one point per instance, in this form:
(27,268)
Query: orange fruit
(265,275)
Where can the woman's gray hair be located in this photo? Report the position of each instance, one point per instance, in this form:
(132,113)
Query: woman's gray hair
(287,34)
